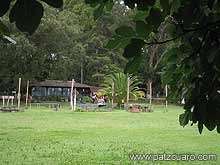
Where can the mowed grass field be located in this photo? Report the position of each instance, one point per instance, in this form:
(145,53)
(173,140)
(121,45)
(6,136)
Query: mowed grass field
(43,136)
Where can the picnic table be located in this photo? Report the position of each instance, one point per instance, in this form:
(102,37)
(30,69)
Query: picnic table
(93,107)
(140,108)
(53,105)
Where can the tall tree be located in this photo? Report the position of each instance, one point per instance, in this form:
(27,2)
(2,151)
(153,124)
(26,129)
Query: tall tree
(192,63)
(121,86)
(63,48)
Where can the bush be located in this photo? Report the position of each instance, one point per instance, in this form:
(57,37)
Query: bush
(84,99)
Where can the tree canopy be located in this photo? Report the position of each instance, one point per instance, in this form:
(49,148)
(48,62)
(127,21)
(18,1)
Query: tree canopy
(61,48)
(191,61)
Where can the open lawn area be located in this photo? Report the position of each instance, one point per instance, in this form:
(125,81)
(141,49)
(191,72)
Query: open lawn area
(43,136)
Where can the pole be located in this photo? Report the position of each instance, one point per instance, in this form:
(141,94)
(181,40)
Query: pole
(166,92)
(81,72)
(8,101)
(74,103)
(71,95)
(19,93)
(27,93)
(3,100)
(113,93)
(128,92)
(12,101)
(150,87)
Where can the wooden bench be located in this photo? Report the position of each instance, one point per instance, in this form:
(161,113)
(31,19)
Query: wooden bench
(9,109)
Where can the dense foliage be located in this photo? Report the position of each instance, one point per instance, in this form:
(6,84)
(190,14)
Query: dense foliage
(118,84)
(61,48)
(191,63)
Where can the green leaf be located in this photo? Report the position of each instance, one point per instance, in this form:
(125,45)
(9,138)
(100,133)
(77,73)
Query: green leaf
(155,18)
(117,42)
(211,3)
(171,28)
(130,3)
(109,5)
(210,124)
(3,29)
(124,42)
(99,11)
(175,5)
(134,48)
(200,127)
(142,29)
(27,15)
(54,3)
(141,15)
(145,4)
(184,118)
(218,126)
(212,53)
(133,65)
(112,43)
(165,6)
(125,31)
(5,4)
(92,3)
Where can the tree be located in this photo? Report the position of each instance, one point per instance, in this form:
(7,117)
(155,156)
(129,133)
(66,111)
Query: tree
(61,48)
(120,86)
(192,61)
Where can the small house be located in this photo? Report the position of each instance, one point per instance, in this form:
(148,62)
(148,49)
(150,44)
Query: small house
(57,89)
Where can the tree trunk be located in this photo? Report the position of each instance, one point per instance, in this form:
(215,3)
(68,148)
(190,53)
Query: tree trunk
(149,91)
(81,72)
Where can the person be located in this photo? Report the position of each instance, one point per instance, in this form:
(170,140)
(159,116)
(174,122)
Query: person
(94,98)
(101,102)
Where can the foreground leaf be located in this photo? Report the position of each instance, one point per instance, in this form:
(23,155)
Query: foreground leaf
(54,3)
(27,15)
(3,29)
(5,4)
(200,127)
(134,48)
(125,31)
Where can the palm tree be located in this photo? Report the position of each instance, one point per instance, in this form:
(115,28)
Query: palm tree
(120,87)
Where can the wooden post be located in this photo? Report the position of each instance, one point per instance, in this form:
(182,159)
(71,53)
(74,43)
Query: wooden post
(166,93)
(3,100)
(81,71)
(74,102)
(27,93)
(128,92)
(150,88)
(12,101)
(19,93)
(8,101)
(113,93)
(71,95)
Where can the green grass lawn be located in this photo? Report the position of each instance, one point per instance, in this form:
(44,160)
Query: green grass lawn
(43,136)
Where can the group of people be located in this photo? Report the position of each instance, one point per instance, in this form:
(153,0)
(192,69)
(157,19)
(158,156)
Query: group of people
(100,100)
